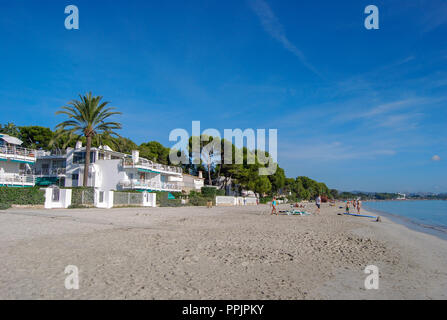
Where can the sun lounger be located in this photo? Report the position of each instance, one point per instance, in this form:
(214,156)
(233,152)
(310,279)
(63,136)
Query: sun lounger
(296,213)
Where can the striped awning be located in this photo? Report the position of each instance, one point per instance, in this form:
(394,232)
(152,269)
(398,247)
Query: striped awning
(22,161)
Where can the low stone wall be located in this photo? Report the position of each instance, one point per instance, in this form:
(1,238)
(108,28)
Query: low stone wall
(226,201)
(62,198)
(235,201)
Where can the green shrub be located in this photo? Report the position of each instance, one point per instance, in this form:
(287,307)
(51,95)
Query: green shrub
(163,201)
(78,206)
(4,206)
(22,196)
(201,201)
(82,195)
(208,191)
(195,199)
(177,195)
(265,200)
(193,193)
(171,203)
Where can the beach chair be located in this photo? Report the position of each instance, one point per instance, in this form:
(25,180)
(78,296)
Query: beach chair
(295,212)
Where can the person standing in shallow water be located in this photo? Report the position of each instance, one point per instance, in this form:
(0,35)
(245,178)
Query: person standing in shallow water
(359,205)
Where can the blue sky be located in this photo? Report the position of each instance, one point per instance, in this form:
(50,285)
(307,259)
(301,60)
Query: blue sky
(358,109)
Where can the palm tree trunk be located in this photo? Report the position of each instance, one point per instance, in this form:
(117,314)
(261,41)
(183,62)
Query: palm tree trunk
(210,182)
(87,160)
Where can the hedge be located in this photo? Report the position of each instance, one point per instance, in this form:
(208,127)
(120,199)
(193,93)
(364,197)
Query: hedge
(212,192)
(201,201)
(163,201)
(265,200)
(21,196)
(82,196)
(195,199)
(4,206)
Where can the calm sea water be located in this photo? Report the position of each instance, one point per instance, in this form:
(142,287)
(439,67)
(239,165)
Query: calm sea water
(428,215)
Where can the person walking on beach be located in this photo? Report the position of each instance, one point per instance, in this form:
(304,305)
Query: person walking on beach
(274,206)
(359,205)
(347,206)
(318,203)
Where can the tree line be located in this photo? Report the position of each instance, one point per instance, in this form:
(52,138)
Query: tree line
(88,121)
(244,175)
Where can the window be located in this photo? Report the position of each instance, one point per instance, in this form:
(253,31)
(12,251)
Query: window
(22,168)
(74,178)
(58,163)
(79,157)
(55,197)
(45,168)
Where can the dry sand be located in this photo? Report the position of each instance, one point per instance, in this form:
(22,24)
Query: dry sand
(218,253)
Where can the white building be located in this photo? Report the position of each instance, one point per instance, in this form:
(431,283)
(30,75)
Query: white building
(15,163)
(193,183)
(401,196)
(109,170)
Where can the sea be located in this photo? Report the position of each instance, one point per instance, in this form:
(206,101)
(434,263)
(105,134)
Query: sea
(428,216)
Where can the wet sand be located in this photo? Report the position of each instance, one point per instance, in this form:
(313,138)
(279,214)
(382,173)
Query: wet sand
(218,253)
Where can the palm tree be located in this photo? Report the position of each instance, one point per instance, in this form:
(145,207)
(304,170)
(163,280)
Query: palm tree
(87,117)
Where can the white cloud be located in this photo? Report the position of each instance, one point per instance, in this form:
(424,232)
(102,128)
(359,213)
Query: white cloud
(436,158)
(273,27)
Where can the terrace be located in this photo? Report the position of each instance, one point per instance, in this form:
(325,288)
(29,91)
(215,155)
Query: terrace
(151,166)
(16,180)
(17,154)
(49,172)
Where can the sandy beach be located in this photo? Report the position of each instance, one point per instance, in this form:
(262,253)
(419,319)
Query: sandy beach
(218,253)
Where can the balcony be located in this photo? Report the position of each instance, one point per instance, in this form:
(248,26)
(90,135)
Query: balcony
(54,172)
(152,185)
(149,165)
(17,154)
(16,180)
(53,153)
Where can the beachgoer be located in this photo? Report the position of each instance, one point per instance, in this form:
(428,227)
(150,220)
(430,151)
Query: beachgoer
(274,203)
(318,203)
(359,205)
(347,206)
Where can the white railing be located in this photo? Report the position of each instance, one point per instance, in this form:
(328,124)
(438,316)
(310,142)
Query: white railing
(147,164)
(16,179)
(49,172)
(153,185)
(17,152)
(43,153)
